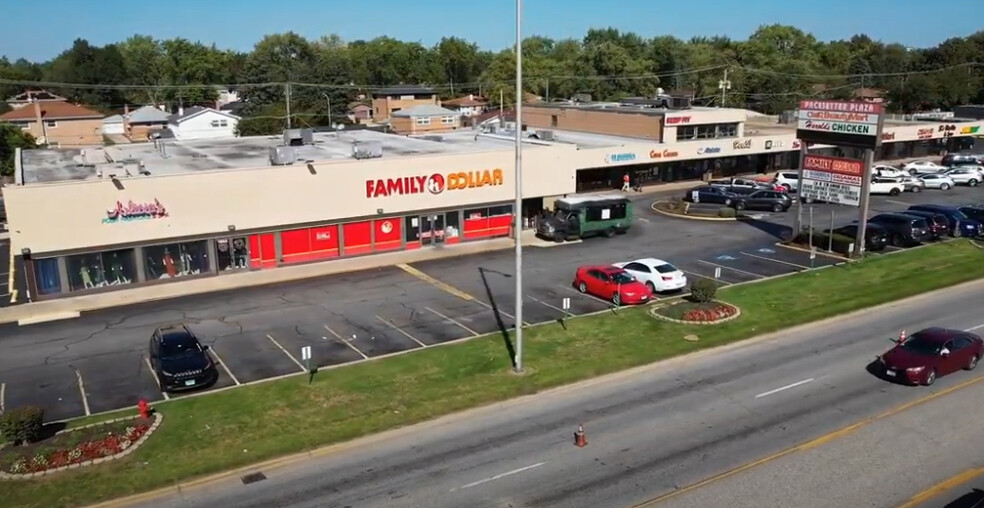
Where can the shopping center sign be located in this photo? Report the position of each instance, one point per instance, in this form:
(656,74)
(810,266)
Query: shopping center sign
(832,179)
(135,211)
(841,123)
(434,184)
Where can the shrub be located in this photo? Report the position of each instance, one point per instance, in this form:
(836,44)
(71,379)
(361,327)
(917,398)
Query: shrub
(22,425)
(821,240)
(703,290)
(726,212)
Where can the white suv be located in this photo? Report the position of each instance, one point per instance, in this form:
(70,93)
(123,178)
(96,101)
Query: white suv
(787,179)
(965,175)
(890,186)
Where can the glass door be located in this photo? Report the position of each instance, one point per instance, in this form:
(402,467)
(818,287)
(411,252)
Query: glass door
(432,229)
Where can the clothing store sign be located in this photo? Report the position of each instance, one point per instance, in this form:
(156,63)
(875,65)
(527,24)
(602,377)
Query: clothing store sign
(132,211)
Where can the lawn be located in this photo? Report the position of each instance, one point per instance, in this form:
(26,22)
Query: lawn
(233,428)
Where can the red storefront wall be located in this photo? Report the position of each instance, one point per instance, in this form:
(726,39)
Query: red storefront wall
(358,237)
(480,226)
(309,244)
(389,234)
(262,251)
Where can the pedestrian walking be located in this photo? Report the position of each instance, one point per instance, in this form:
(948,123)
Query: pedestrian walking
(625,183)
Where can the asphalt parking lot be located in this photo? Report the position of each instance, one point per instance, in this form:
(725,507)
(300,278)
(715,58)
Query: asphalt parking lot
(98,362)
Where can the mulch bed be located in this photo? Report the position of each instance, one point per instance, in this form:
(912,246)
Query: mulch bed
(72,447)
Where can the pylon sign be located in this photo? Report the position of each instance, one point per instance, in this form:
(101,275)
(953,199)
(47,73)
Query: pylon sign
(841,123)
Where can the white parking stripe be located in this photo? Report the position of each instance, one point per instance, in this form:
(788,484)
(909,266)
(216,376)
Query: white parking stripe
(85,399)
(218,359)
(498,476)
(275,343)
(401,330)
(784,388)
(346,342)
(454,321)
(777,261)
(3,396)
(719,281)
(157,380)
(732,269)
(541,302)
(588,296)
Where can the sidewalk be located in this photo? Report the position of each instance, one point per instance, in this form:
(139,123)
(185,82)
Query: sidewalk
(72,307)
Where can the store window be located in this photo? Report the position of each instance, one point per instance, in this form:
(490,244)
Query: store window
(706,131)
(727,130)
(452,227)
(686,133)
(175,260)
(232,253)
(47,277)
(101,269)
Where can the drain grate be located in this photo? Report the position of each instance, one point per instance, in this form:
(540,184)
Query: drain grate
(253,478)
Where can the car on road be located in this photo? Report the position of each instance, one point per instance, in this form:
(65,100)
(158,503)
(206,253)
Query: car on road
(903,229)
(921,167)
(939,181)
(788,180)
(959,159)
(960,223)
(776,201)
(744,185)
(876,238)
(584,216)
(890,186)
(912,183)
(711,194)
(179,359)
(939,225)
(965,175)
(888,171)
(611,283)
(931,353)
(658,275)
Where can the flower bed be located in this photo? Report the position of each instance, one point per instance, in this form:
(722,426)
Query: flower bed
(76,447)
(697,313)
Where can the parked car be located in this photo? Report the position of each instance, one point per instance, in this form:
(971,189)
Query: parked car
(611,283)
(788,180)
(939,225)
(888,171)
(912,183)
(743,185)
(960,223)
(937,181)
(964,175)
(777,201)
(658,275)
(959,159)
(890,186)
(931,353)
(179,360)
(921,167)
(973,212)
(876,238)
(904,229)
(711,194)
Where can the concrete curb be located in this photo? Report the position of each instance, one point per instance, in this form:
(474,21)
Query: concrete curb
(690,217)
(654,312)
(808,251)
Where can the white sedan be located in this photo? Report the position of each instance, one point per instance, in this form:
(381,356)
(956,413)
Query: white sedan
(889,171)
(658,275)
(923,167)
(934,181)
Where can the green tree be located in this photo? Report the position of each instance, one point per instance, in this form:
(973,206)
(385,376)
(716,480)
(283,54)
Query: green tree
(11,138)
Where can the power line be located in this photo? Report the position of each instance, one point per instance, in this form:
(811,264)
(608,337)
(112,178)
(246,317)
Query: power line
(863,75)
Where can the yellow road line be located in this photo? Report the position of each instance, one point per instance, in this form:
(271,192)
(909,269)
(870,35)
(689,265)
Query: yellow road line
(942,487)
(809,445)
(436,283)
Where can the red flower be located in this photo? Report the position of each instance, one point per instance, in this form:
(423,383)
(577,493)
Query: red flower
(709,315)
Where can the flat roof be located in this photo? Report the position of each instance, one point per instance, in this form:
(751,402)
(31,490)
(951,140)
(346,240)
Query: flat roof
(618,107)
(59,165)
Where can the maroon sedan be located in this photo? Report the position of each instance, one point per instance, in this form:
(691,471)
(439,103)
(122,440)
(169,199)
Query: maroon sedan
(930,353)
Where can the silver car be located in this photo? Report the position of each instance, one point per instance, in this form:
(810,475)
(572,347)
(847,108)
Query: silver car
(913,183)
(966,175)
(937,181)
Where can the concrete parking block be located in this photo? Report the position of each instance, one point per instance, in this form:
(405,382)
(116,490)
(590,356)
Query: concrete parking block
(118,380)
(53,388)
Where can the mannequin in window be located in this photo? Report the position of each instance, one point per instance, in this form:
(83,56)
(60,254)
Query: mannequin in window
(169,264)
(86,278)
(153,271)
(116,269)
(186,263)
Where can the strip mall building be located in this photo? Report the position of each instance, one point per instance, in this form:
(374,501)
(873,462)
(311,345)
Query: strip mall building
(105,218)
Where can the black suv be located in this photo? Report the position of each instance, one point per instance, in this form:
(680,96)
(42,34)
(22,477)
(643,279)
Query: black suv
(875,236)
(777,201)
(179,360)
(939,225)
(960,159)
(904,229)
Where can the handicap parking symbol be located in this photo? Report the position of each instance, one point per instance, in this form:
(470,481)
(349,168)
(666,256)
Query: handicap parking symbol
(726,257)
(766,251)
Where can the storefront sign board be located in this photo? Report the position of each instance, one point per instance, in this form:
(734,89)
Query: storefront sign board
(841,123)
(832,179)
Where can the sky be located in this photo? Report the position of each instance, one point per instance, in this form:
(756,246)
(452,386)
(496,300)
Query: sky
(238,24)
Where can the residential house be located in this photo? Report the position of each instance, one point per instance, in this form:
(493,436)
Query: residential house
(424,119)
(139,123)
(386,101)
(202,123)
(113,125)
(359,112)
(58,123)
(467,106)
(24,98)
(225,96)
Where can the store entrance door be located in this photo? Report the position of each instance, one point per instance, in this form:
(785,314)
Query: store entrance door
(432,229)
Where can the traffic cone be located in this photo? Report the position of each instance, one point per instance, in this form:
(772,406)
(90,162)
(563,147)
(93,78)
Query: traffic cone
(580,439)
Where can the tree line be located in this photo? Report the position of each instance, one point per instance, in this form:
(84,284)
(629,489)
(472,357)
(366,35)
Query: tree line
(769,72)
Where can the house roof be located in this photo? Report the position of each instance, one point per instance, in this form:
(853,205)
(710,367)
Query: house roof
(405,90)
(195,111)
(424,110)
(465,102)
(353,105)
(148,114)
(113,119)
(53,111)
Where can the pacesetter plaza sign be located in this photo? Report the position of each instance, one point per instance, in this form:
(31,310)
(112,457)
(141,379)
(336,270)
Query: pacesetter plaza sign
(841,123)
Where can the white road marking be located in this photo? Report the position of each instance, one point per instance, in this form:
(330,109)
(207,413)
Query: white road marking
(643,219)
(346,342)
(498,476)
(224,367)
(541,302)
(275,343)
(719,281)
(3,396)
(157,380)
(85,399)
(897,202)
(783,388)
(972,328)
(401,330)
(777,261)
(732,269)
(504,313)
(454,321)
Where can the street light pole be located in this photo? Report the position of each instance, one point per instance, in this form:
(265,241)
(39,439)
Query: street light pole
(518,206)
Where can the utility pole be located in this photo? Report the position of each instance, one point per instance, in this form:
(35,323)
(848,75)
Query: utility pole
(287,97)
(327,98)
(518,206)
(724,85)
(548,89)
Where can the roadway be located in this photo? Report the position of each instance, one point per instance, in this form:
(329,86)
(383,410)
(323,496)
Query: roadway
(655,433)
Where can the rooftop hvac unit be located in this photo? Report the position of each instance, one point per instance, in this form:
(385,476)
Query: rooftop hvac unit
(545,135)
(679,102)
(282,155)
(297,137)
(367,150)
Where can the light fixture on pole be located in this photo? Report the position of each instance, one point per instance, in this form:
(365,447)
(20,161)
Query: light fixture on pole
(518,206)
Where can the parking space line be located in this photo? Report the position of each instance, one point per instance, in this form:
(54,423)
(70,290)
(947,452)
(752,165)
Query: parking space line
(777,261)
(157,380)
(346,342)
(85,400)
(436,283)
(453,321)
(275,343)
(3,396)
(897,202)
(401,330)
(541,302)
(588,296)
(732,269)
(224,367)
(719,281)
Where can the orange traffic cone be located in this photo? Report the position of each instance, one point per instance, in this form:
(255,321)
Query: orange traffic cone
(580,439)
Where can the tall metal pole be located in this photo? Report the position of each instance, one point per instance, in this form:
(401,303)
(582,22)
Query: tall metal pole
(798,228)
(518,206)
(869,157)
(287,99)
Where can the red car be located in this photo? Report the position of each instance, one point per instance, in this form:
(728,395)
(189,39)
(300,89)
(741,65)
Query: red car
(611,283)
(931,353)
